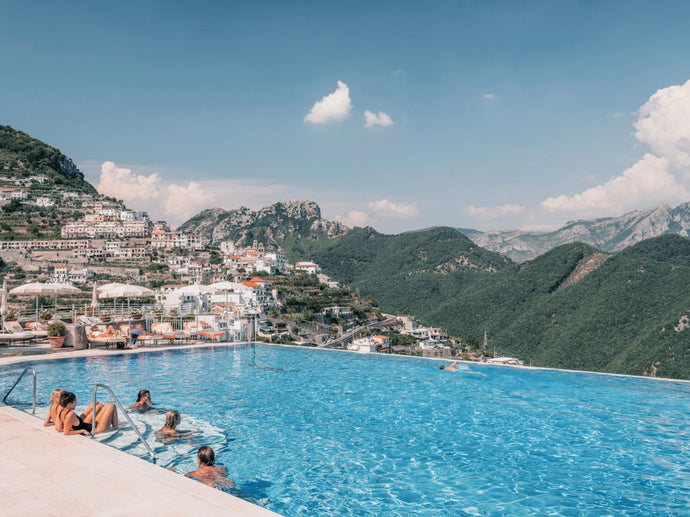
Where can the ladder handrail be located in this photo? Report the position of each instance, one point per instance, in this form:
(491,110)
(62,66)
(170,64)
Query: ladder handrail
(124,411)
(33,409)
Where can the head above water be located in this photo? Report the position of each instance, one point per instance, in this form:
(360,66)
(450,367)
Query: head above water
(143,394)
(206,456)
(172,418)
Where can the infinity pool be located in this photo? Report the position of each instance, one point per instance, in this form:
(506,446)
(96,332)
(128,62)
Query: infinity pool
(318,432)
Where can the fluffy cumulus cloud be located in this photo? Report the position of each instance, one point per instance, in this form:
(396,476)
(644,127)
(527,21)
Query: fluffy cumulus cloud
(377,119)
(648,181)
(121,183)
(356,218)
(184,201)
(662,175)
(664,125)
(390,210)
(333,107)
(489,213)
(174,203)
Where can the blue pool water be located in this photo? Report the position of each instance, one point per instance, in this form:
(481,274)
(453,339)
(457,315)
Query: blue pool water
(317,432)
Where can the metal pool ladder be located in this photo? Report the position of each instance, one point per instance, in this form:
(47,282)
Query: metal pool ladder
(124,412)
(33,403)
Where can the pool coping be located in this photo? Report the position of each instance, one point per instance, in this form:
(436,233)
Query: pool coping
(48,473)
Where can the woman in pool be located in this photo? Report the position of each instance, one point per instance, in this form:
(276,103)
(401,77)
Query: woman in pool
(143,402)
(169,430)
(209,473)
(71,423)
(51,417)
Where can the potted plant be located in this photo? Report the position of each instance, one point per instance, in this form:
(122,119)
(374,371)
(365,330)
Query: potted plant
(47,315)
(56,334)
(105,316)
(11,315)
(136,314)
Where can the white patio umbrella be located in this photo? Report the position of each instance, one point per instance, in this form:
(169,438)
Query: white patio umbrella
(45,289)
(194,290)
(124,291)
(128,291)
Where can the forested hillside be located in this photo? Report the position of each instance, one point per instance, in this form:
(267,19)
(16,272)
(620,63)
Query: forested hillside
(573,307)
(22,156)
(410,272)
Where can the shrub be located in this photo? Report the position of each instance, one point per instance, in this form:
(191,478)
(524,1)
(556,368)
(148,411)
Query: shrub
(57,329)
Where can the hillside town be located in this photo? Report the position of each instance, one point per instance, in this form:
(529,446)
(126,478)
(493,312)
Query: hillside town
(109,242)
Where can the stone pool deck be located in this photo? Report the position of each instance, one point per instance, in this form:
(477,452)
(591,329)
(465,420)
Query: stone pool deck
(46,473)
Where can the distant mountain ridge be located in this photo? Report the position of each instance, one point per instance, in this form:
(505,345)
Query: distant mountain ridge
(272,225)
(606,234)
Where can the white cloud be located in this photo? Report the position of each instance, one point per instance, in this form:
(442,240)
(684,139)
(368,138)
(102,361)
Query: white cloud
(136,190)
(489,96)
(377,119)
(648,181)
(182,202)
(388,209)
(664,125)
(356,218)
(494,212)
(660,176)
(335,106)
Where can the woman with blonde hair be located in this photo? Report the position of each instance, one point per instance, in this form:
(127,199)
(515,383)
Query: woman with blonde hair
(52,417)
(169,430)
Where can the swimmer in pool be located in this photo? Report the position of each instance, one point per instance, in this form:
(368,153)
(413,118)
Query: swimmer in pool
(169,430)
(450,367)
(208,473)
(462,368)
(143,402)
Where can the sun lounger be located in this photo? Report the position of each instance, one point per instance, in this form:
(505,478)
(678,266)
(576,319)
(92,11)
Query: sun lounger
(165,330)
(14,332)
(99,336)
(13,338)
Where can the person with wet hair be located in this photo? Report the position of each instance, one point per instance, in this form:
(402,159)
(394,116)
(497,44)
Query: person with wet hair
(208,472)
(143,402)
(169,431)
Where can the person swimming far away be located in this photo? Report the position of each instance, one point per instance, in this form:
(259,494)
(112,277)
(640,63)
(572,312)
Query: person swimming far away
(465,369)
(209,473)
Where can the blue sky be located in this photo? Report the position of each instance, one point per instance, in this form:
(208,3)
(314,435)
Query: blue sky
(487,115)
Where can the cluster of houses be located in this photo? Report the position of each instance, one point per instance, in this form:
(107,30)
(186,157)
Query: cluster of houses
(108,231)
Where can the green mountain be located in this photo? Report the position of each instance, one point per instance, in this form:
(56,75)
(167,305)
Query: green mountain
(573,307)
(43,172)
(407,273)
(23,157)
